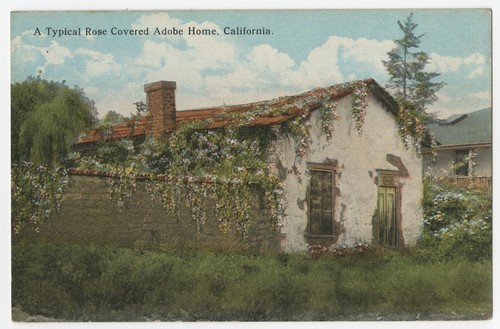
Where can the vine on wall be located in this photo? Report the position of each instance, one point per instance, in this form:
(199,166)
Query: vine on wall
(36,190)
(412,128)
(359,104)
(199,167)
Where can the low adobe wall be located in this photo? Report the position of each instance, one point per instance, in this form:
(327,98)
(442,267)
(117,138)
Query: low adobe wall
(89,216)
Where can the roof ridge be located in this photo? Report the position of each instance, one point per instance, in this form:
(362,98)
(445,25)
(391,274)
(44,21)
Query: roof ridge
(266,112)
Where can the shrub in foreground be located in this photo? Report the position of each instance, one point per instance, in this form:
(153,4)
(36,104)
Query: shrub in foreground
(113,284)
(457,221)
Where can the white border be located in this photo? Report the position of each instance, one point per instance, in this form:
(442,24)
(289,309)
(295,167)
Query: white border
(6,6)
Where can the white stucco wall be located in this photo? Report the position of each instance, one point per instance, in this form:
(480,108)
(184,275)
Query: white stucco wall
(358,159)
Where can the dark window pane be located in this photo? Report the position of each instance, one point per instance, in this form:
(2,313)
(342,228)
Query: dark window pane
(321,203)
(462,158)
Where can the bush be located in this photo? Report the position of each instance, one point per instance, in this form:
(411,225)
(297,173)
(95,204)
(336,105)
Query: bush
(79,283)
(457,222)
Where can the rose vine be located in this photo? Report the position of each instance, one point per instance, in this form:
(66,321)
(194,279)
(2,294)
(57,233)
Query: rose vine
(197,165)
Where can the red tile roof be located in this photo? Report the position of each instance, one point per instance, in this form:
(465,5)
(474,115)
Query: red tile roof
(256,114)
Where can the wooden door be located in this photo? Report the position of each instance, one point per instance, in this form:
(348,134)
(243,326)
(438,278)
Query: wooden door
(386,227)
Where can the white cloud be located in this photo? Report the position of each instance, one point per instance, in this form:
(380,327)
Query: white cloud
(475,59)
(97,63)
(321,64)
(478,71)
(55,54)
(200,51)
(29,57)
(154,20)
(474,64)
(212,71)
(341,58)
(266,56)
(483,95)
(153,54)
(443,96)
(28,53)
(120,102)
(438,63)
(449,104)
(32,32)
(368,51)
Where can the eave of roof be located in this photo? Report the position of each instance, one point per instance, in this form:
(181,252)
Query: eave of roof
(259,114)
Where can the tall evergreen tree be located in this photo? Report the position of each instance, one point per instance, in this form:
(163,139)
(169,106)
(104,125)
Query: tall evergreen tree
(408,81)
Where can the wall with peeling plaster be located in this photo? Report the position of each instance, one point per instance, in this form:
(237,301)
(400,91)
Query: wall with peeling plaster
(359,157)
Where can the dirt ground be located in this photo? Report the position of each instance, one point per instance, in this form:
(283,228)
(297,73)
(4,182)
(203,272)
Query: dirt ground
(18,315)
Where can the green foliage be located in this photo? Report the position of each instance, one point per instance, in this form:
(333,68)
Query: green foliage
(299,130)
(196,165)
(408,79)
(412,126)
(111,118)
(457,221)
(36,190)
(111,284)
(24,97)
(46,120)
(222,165)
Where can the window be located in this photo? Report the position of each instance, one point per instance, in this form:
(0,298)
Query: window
(321,200)
(462,162)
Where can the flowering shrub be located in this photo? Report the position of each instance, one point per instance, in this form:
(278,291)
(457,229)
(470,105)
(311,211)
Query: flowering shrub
(457,220)
(360,247)
(317,251)
(36,191)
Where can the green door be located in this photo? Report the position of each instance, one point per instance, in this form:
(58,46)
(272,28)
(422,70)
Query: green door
(386,225)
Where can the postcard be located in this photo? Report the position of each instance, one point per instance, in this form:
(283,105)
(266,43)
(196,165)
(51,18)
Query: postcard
(251,165)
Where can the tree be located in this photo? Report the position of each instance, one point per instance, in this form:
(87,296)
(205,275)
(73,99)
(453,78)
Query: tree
(409,83)
(111,118)
(47,117)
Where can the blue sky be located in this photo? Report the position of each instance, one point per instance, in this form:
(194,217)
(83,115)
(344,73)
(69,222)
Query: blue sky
(308,49)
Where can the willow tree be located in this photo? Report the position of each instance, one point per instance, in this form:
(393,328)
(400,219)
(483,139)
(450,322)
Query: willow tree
(47,118)
(408,82)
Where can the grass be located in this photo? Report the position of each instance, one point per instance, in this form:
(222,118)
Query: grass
(90,283)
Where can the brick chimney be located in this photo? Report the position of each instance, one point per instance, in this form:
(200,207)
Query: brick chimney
(160,97)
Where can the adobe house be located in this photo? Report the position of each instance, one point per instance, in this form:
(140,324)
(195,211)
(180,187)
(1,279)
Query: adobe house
(356,183)
(463,149)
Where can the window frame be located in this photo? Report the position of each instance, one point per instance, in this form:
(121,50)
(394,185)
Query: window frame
(329,167)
